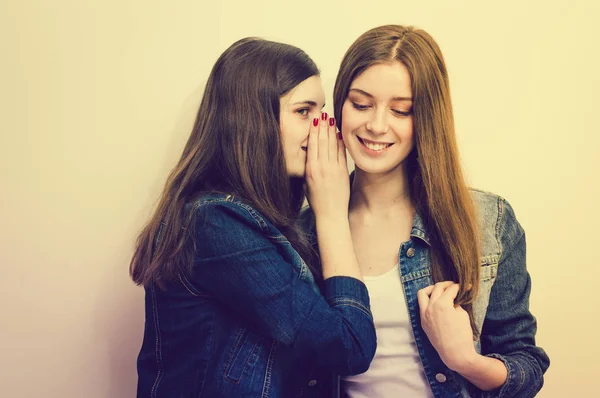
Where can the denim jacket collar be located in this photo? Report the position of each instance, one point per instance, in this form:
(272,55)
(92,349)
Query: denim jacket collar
(419,231)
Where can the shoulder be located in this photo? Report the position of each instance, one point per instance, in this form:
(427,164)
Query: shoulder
(490,205)
(223,224)
(497,219)
(223,210)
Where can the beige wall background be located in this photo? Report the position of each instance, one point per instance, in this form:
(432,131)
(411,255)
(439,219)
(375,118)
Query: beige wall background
(97,99)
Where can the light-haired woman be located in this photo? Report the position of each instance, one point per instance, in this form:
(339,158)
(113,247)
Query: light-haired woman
(444,264)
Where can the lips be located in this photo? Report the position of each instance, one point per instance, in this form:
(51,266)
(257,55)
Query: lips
(374,146)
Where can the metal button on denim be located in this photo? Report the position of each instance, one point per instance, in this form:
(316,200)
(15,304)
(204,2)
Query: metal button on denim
(440,377)
(312,383)
(410,252)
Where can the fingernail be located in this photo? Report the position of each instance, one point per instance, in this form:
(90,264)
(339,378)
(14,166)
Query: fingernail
(339,135)
(324,116)
(316,121)
(332,121)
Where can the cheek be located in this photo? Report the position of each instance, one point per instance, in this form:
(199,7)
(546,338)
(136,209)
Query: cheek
(295,132)
(404,129)
(410,133)
(351,119)
(301,129)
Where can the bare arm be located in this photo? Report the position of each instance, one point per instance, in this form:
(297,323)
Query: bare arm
(328,193)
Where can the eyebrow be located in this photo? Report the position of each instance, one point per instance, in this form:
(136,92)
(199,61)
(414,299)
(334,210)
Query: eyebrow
(311,103)
(358,90)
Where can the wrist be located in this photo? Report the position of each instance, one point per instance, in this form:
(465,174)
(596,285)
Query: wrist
(466,363)
(332,218)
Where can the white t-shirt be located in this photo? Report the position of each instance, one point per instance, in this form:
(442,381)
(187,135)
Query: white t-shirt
(396,370)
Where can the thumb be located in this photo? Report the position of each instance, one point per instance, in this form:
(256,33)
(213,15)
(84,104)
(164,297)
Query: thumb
(451,292)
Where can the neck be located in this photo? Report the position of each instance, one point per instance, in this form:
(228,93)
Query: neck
(385,194)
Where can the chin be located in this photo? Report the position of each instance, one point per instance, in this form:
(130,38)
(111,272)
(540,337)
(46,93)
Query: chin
(370,166)
(299,173)
(370,169)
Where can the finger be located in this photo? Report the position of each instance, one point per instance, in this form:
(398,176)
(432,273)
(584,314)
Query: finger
(312,151)
(332,140)
(439,289)
(427,290)
(323,139)
(450,293)
(423,298)
(341,146)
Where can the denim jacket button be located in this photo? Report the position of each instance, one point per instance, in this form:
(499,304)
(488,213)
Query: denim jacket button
(410,252)
(440,377)
(312,383)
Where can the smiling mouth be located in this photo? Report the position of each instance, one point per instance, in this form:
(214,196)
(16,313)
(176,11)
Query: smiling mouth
(374,146)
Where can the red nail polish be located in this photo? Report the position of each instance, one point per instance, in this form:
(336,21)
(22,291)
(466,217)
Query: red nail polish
(339,135)
(324,116)
(332,121)
(316,121)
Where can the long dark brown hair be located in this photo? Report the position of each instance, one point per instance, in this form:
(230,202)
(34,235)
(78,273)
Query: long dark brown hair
(438,189)
(235,148)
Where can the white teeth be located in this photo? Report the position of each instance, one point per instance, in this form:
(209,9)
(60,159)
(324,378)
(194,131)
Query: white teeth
(375,147)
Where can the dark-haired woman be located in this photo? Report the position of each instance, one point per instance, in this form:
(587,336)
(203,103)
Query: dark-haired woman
(236,305)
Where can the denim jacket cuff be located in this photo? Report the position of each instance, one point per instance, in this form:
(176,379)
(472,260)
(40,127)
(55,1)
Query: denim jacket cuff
(347,291)
(514,380)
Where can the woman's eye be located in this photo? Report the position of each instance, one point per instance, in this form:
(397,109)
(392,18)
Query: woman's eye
(401,113)
(359,106)
(303,111)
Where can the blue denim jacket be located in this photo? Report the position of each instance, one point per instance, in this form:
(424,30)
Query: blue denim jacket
(249,321)
(507,327)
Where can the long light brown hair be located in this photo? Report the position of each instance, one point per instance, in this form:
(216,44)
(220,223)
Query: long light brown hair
(234,148)
(437,187)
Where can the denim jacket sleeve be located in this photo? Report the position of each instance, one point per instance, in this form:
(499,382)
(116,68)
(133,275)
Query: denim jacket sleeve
(238,264)
(509,327)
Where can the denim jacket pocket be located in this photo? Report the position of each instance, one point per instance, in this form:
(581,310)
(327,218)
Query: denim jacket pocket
(245,353)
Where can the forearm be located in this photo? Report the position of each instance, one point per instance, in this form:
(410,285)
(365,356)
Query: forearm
(336,248)
(483,372)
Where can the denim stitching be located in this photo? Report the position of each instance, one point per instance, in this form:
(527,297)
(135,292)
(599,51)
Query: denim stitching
(261,222)
(351,303)
(186,286)
(189,286)
(498,221)
(428,370)
(419,233)
(158,356)
(349,300)
(236,254)
(279,238)
(246,361)
(416,275)
(303,269)
(488,272)
(236,347)
(251,211)
(522,374)
(271,359)
(490,259)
